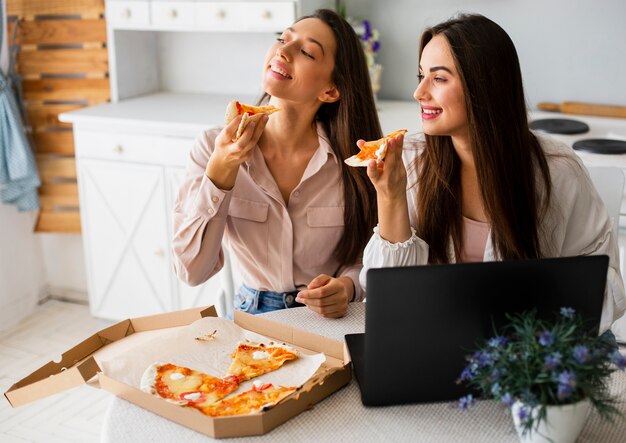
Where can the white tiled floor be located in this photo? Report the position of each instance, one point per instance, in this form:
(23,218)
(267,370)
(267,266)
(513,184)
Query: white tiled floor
(73,416)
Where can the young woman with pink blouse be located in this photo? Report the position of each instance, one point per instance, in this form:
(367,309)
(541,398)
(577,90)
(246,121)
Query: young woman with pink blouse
(293,215)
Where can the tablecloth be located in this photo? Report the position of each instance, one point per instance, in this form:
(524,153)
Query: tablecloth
(342,418)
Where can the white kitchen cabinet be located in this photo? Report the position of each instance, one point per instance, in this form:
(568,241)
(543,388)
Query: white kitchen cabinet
(123,209)
(128,178)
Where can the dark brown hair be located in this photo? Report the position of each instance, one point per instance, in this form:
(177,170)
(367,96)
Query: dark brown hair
(345,121)
(506,154)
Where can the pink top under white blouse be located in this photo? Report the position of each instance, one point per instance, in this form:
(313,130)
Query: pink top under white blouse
(278,247)
(475,236)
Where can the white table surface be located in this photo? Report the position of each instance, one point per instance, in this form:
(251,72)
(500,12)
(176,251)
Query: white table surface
(342,417)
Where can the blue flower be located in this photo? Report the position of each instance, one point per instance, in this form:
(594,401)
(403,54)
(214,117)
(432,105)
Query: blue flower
(618,359)
(466,402)
(568,312)
(481,359)
(553,360)
(546,338)
(567,384)
(581,354)
(468,374)
(498,342)
(567,378)
(523,414)
(368,30)
(507,399)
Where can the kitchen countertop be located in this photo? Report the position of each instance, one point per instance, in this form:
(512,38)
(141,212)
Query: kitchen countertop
(187,115)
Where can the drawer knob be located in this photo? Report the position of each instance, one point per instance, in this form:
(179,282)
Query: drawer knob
(126,13)
(173,13)
(221,14)
(266,15)
(118,149)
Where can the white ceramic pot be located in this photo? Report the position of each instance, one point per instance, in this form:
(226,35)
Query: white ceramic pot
(563,423)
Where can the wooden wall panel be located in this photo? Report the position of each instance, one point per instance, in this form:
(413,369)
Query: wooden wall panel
(59,32)
(63,62)
(88,90)
(47,116)
(54,142)
(34,8)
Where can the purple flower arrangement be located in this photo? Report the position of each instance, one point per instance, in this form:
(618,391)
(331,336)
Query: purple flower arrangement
(370,39)
(539,364)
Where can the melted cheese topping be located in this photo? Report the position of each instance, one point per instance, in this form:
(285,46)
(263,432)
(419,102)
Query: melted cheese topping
(260,355)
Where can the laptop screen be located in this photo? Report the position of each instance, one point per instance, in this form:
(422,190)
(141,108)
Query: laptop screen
(422,321)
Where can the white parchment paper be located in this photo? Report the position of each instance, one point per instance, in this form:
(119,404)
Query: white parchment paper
(212,357)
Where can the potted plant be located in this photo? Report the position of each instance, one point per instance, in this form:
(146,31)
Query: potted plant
(549,374)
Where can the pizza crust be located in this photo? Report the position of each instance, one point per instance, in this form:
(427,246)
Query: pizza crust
(232,111)
(148,383)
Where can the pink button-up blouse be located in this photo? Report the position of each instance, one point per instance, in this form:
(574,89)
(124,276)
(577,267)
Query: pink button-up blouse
(278,247)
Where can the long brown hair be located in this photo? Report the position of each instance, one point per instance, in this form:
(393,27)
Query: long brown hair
(345,121)
(506,153)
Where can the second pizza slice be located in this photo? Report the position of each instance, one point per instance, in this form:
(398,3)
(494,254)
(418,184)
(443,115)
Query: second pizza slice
(253,359)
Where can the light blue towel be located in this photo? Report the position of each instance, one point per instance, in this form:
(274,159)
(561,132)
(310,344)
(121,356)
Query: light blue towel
(19,178)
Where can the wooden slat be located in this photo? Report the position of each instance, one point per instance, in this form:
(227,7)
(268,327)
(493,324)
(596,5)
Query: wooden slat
(58,195)
(51,168)
(67,89)
(54,142)
(63,61)
(62,222)
(30,8)
(59,32)
(47,116)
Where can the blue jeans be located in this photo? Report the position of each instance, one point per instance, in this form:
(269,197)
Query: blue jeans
(254,301)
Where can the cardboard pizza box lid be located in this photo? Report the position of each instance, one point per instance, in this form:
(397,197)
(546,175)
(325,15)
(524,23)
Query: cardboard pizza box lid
(78,366)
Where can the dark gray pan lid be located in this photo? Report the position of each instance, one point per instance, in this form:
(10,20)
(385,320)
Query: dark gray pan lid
(559,126)
(601,146)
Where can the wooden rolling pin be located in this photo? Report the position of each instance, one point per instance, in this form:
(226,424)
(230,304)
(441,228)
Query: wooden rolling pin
(584,109)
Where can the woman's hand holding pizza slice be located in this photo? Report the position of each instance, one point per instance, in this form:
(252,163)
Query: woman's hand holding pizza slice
(234,144)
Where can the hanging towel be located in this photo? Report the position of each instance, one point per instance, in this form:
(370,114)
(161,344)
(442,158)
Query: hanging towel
(19,178)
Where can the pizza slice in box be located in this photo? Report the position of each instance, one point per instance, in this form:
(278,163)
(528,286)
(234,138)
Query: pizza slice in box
(185,386)
(372,150)
(248,114)
(253,359)
(260,398)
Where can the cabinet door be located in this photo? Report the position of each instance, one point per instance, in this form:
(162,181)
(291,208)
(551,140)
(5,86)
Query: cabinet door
(126,238)
(208,293)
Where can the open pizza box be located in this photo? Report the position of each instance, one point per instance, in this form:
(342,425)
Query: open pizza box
(81,365)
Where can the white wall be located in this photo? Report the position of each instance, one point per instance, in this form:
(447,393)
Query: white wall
(64,263)
(570,50)
(22,273)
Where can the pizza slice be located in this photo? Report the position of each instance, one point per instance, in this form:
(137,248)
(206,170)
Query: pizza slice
(258,399)
(253,359)
(249,113)
(372,150)
(186,386)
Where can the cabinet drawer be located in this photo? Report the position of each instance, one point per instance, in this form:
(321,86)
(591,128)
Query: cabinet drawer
(123,14)
(172,14)
(221,16)
(270,16)
(122,147)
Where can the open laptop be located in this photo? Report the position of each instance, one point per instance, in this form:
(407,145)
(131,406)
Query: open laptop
(422,321)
